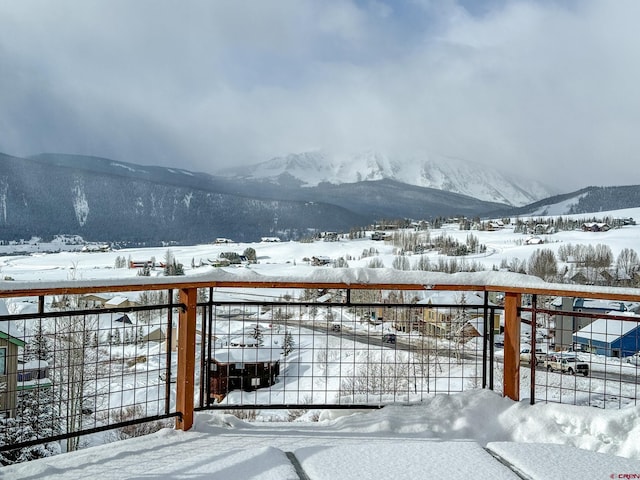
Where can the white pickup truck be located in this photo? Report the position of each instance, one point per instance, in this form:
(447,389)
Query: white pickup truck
(525,355)
(566,364)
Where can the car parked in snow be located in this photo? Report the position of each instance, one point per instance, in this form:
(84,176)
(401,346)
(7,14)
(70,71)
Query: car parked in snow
(566,364)
(525,355)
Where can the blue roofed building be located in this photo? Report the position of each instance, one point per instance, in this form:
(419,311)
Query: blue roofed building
(612,338)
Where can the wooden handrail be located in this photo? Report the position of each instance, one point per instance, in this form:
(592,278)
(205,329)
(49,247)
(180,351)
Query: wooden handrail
(34,289)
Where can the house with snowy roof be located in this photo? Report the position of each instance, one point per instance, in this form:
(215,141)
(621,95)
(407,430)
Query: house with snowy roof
(320,261)
(611,276)
(93,300)
(9,346)
(33,374)
(494,225)
(235,313)
(244,341)
(567,325)
(595,227)
(534,240)
(120,302)
(612,338)
(242,369)
(440,307)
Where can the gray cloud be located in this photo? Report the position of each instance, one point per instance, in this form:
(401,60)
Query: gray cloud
(544,89)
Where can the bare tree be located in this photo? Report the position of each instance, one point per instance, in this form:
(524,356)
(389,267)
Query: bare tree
(377,376)
(422,264)
(400,262)
(74,370)
(376,262)
(627,263)
(543,264)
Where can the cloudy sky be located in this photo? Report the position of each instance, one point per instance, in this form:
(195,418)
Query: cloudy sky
(547,88)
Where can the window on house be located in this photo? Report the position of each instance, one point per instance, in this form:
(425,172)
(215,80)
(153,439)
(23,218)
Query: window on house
(3,360)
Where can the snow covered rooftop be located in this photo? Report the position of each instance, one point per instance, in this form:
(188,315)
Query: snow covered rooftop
(247,355)
(606,330)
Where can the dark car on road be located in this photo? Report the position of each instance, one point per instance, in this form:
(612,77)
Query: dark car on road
(389,338)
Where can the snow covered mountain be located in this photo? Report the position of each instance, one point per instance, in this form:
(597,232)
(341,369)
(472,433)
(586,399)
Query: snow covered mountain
(441,173)
(106,200)
(584,201)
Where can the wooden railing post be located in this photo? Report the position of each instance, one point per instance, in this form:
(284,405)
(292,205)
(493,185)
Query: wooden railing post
(186,358)
(511,384)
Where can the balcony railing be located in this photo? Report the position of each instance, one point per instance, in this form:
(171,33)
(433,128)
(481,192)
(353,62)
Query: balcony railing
(70,368)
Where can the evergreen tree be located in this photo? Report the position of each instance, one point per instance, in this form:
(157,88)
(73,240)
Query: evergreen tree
(144,271)
(39,346)
(169,260)
(288,343)
(171,266)
(36,417)
(257,333)
(459,320)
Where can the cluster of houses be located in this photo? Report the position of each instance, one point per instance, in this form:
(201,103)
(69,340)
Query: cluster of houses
(595,227)
(438,314)
(329,236)
(95,248)
(18,374)
(604,276)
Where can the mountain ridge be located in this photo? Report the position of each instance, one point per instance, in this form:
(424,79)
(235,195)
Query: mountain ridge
(441,173)
(102,199)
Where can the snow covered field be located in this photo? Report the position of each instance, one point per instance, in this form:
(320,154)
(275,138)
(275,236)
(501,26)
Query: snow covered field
(284,258)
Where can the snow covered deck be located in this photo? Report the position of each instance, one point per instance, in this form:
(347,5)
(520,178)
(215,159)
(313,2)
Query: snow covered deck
(470,435)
